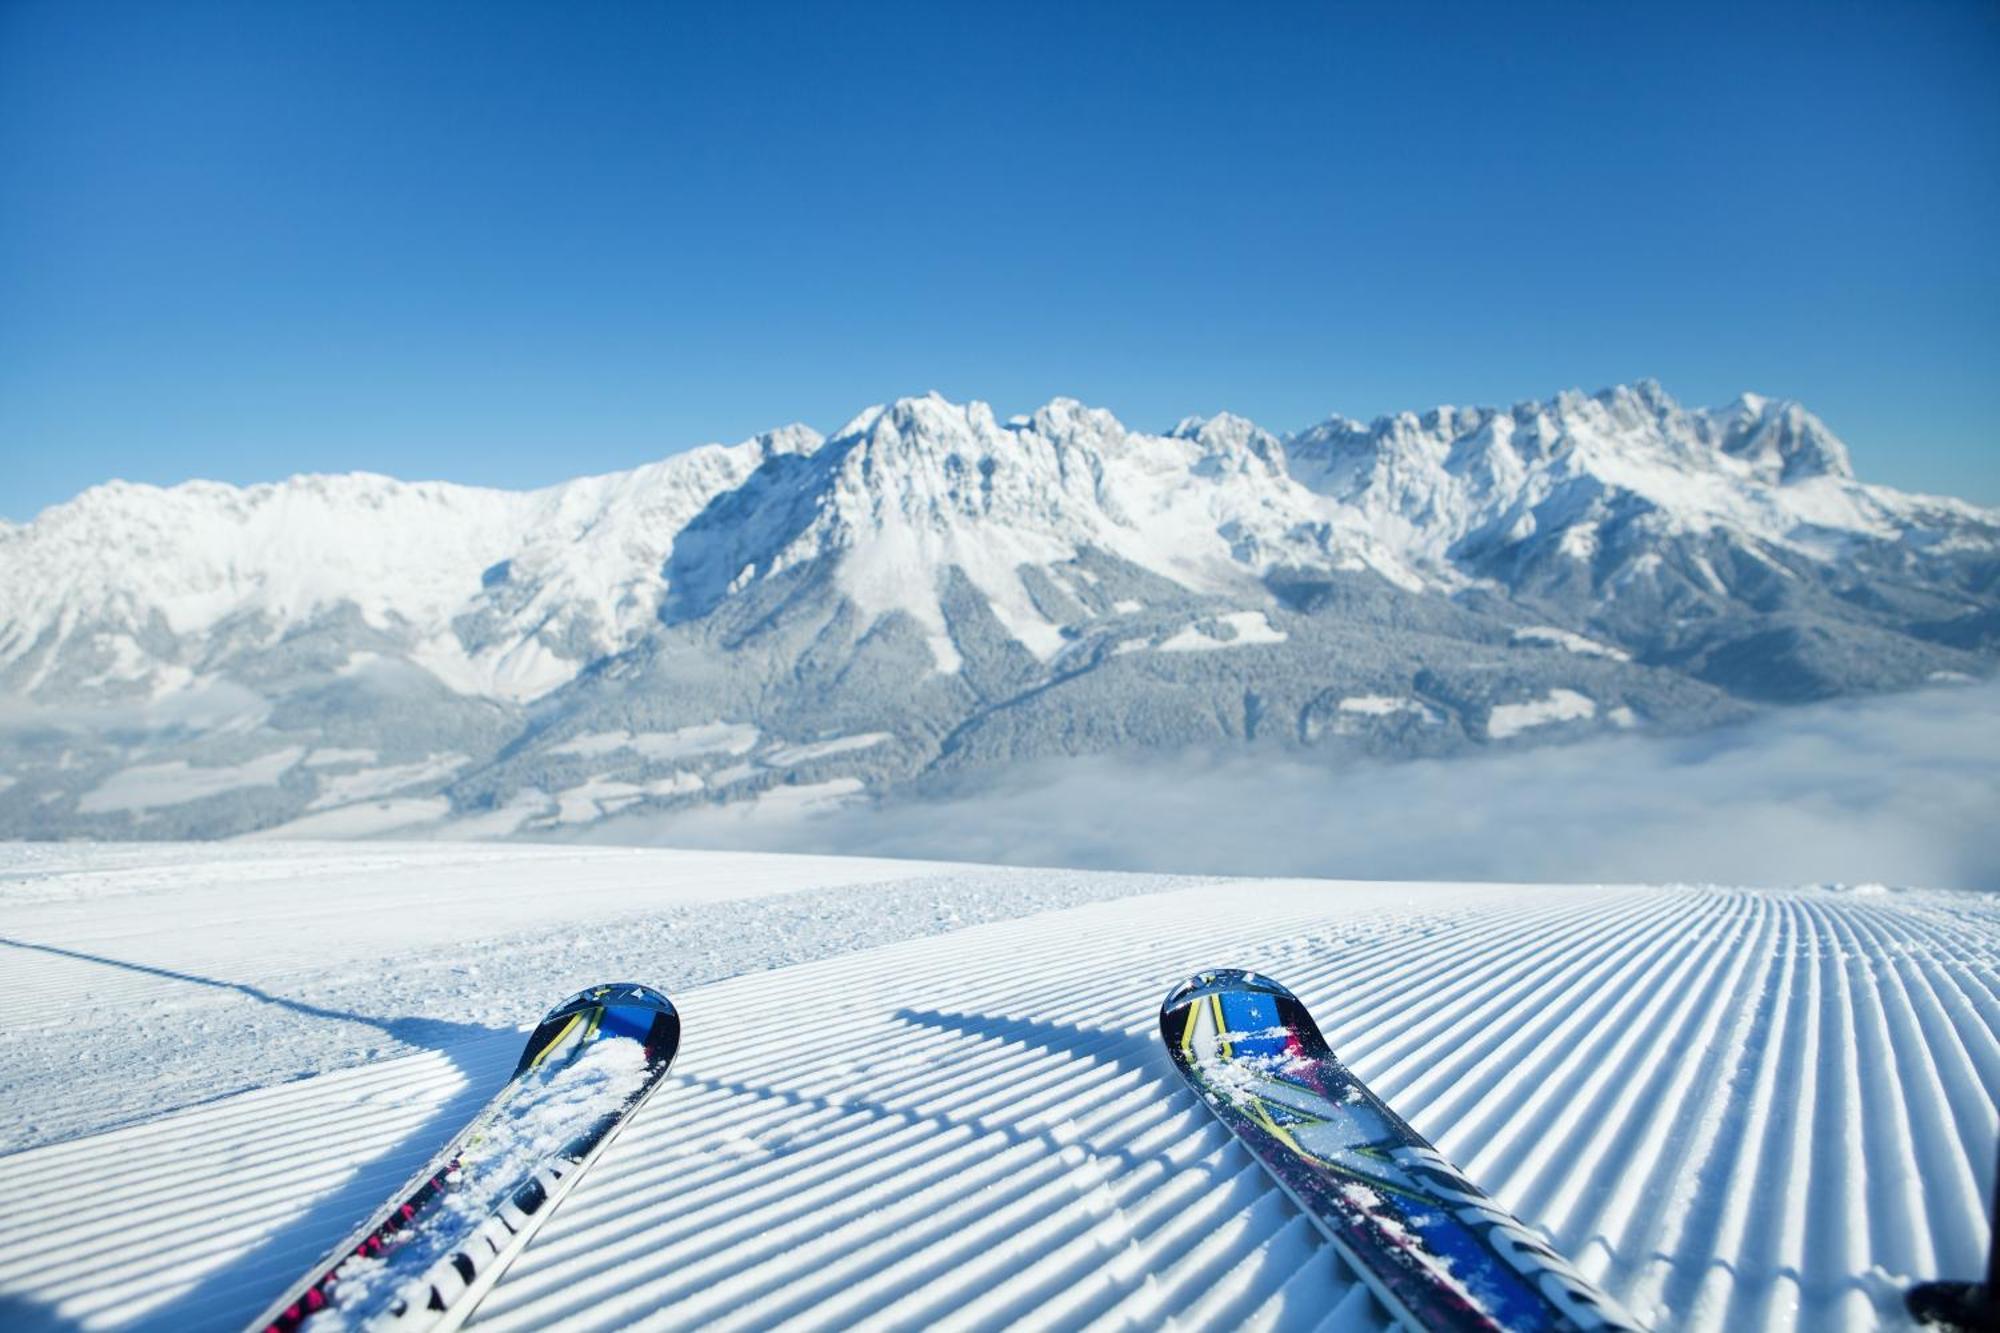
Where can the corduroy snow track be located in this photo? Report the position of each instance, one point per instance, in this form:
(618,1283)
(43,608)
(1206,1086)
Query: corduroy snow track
(1732,1109)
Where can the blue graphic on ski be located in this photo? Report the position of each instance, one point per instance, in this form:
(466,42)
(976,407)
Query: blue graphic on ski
(438,1246)
(1437,1251)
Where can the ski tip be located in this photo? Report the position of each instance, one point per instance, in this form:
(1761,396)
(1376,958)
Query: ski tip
(618,994)
(1217,980)
(1967,1307)
(614,1009)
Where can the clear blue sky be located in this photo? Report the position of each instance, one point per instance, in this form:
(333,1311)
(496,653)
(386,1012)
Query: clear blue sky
(507,244)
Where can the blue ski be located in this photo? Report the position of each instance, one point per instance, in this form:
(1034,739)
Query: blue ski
(1437,1251)
(439,1245)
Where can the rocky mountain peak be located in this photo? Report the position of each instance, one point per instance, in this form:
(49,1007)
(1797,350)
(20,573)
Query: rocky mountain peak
(1230,441)
(796,438)
(1781,439)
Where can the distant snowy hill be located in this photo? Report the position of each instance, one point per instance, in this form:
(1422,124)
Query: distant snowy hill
(799,619)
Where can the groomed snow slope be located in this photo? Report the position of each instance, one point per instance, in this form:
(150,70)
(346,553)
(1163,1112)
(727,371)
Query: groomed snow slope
(1738,1109)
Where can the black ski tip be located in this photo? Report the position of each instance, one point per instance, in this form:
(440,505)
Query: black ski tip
(1966,1307)
(611,993)
(620,1007)
(1216,979)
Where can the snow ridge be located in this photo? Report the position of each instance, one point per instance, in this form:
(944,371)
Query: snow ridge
(509,595)
(497,593)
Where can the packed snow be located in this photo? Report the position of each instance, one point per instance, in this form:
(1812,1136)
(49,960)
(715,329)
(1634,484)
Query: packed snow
(363,819)
(1380,705)
(1238,629)
(790,756)
(151,786)
(1570,642)
(528,804)
(803,797)
(602,796)
(914,1095)
(328,758)
(681,743)
(367,783)
(1556,706)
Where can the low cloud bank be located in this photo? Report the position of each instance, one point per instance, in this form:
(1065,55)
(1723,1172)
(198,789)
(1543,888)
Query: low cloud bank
(1902,790)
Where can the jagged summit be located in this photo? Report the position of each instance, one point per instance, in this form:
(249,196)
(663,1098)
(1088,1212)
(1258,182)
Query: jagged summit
(1644,417)
(1782,440)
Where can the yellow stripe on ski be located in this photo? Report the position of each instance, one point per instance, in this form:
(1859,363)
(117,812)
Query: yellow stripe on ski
(557,1040)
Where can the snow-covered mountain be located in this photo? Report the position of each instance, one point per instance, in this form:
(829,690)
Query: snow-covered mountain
(931,589)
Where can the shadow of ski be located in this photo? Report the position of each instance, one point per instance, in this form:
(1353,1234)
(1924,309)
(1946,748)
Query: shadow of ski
(230,1292)
(233,1293)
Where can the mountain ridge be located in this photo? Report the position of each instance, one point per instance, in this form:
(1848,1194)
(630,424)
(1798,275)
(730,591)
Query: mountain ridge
(965,591)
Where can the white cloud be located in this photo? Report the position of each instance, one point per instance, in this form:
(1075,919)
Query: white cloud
(1901,790)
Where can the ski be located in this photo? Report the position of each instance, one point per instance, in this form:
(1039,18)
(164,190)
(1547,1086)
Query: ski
(1437,1251)
(441,1242)
(1958,1307)
(1963,1307)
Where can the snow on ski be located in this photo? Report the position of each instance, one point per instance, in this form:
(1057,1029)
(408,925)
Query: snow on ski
(1434,1247)
(428,1257)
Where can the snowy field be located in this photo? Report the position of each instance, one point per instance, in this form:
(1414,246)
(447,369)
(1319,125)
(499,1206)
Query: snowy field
(919,1095)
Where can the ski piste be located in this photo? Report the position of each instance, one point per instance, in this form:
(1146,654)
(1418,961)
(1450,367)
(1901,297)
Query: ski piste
(442,1241)
(1436,1250)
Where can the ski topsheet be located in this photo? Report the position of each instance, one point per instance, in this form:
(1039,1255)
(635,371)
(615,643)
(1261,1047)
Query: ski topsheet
(427,1258)
(1427,1241)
